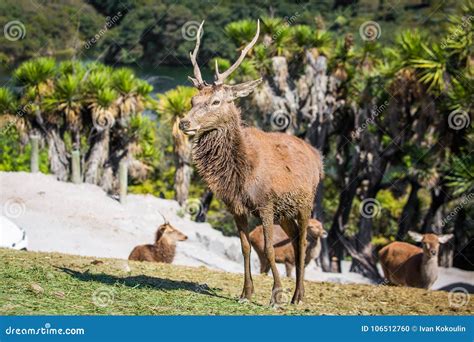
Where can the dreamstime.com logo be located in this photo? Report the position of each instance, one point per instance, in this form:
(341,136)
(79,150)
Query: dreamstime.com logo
(14,30)
(192,206)
(282,296)
(46,330)
(458,297)
(103,297)
(458,119)
(280,120)
(190,29)
(14,208)
(370,207)
(370,31)
(109,23)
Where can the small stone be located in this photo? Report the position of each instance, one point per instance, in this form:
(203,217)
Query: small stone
(59,294)
(36,288)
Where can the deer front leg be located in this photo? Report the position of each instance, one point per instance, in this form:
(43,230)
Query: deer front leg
(277,291)
(300,251)
(242,226)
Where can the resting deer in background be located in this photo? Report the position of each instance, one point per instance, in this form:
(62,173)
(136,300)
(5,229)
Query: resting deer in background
(408,265)
(284,253)
(270,175)
(164,248)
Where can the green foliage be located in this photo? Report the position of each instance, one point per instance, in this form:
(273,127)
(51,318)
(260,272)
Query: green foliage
(15,157)
(105,97)
(49,27)
(67,92)
(34,72)
(432,68)
(241,32)
(176,102)
(7,101)
(144,131)
(123,80)
(461,174)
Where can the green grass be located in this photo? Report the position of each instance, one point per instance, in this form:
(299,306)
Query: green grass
(51,283)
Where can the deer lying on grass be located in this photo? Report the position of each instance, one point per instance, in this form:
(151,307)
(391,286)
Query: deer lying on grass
(408,265)
(164,248)
(284,253)
(270,175)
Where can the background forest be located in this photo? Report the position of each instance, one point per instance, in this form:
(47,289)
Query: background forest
(383,88)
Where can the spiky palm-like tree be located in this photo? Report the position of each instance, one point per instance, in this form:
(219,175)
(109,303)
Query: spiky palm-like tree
(36,78)
(100,99)
(66,101)
(173,105)
(9,115)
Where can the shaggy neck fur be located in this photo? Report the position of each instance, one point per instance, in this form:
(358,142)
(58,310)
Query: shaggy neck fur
(165,249)
(221,160)
(429,270)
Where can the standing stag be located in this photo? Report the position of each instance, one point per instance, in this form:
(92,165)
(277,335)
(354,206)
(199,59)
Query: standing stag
(270,175)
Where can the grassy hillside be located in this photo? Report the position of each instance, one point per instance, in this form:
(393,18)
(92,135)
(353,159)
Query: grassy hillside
(52,283)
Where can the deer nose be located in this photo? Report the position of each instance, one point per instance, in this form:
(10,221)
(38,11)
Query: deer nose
(184,124)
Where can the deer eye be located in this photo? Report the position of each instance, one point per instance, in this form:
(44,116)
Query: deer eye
(216,103)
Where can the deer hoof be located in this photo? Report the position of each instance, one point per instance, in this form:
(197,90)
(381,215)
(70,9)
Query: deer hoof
(243,300)
(297,299)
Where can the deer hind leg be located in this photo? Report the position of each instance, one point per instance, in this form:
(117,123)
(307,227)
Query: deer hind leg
(293,232)
(291,229)
(267,222)
(242,226)
(264,266)
(300,253)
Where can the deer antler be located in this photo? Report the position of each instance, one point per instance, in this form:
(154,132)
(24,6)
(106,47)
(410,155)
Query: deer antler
(220,78)
(197,80)
(164,218)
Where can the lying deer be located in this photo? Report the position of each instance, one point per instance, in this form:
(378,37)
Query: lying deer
(408,265)
(284,253)
(164,248)
(270,175)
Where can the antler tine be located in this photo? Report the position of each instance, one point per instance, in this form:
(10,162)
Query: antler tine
(220,78)
(197,81)
(164,218)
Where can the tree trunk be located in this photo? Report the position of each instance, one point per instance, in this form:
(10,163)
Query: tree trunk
(363,243)
(432,222)
(97,156)
(182,180)
(464,244)
(58,160)
(324,258)
(341,217)
(183,173)
(206,200)
(409,217)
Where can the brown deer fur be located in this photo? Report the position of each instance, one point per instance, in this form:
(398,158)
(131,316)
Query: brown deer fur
(270,175)
(164,248)
(408,265)
(284,252)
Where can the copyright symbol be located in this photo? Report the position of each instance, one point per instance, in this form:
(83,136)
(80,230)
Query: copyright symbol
(414,328)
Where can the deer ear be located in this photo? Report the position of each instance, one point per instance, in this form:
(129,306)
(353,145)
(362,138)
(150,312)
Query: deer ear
(244,89)
(445,238)
(416,236)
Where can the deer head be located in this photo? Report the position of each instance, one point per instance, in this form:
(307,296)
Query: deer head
(430,242)
(316,230)
(214,106)
(166,229)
